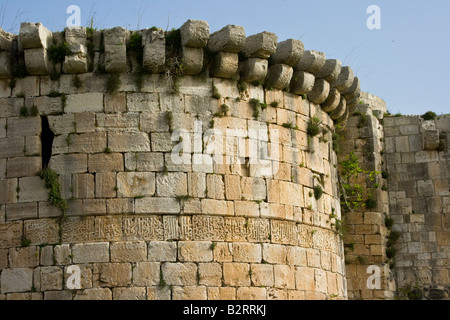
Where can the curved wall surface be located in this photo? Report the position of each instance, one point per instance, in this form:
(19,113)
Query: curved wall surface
(194,168)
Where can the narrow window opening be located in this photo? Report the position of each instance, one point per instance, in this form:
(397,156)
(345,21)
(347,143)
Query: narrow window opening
(47,137)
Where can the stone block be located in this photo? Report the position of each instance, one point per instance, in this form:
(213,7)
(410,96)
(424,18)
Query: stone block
(128,142)
(229,39)
(11,147)
(215,187)
(125,294)
(196,251)
(330,70)
(92,142)
(261,45)
(253,188)
(143,102)
(90,252)
(5,65)
(250,293)
(247,252)
(34,35)
(279,76)
(10,234)
(115,102)
(116,58)
(146,274)
(32,189)
(332,102)
(189,293)
(16,280)
(296,256)
(77,62)
(254,70)
(236,274)
(101,163)
(62,254)
(225,65)
(128,252)
(274,253)
(86,102)
(161,142)
(302,82)
(284,277)
(288,52)
(162,251)
(217,207)
(311,62)
(194,34)
(247,209)
(157,205)
(23,167)
(48,278)
(105,183)
(22,127)
(179,274)
(262,275)
(112,274)
(154,57)
(135,184)
(73,163)
(37,61)
(94,294)
(210,274)
(21,211)
(192,60)
(171,184)
(341,110)
(345,79)
(320,91)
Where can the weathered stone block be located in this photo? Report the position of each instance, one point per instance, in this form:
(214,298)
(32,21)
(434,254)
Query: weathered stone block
(128,251)
(143,102)
(261,45)
(128,142)
(21,211)
(37,61)
(32,189)
(345,79)
(302,82)
(250,293)
(62,254)
(162,251)
(284,277)
(236,274)
(146,274)
(5,65)
(90,252)
(157,205)
(279,76)
(247,209)
(247,252)
(115,58)
(10,234)
(94,294)
(154,43)
(161,142)
(288,52)
(16,280)
(210,274)
(311,61)
(189,293)
(274,253)
(332,102)
(229,39)
(34,35)
(320,91)
(226,65)
(171,184)
(180,274)
(23,167)
(254,70)
(77,62)
(86,102)
(192,60)
(135,184)
(194,34)
(112,274)
(125,294)
(196,251)
(105,162)
(48,278)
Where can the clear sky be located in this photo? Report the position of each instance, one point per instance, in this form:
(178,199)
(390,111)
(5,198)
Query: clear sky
(406,62)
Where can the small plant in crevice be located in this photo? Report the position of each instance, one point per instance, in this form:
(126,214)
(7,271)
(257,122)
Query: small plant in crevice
(77,82)
(170,121)
(223,111)
(257,106)
(363,119)
(113,83)
(215,92)
(23,111)
(430,115)
(162,282)
(313,128)
(51,179)
(242,86)
(25,242)
(318,192)
(289,125)
(34,111)
(173,67)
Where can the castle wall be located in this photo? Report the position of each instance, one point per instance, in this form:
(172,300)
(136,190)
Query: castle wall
(245,206)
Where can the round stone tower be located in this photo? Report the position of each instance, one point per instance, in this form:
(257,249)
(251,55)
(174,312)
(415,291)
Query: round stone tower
(178,165)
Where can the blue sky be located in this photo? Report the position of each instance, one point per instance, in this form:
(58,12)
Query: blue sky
(405,62)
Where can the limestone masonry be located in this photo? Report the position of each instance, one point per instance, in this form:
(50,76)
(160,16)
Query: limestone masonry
(196,165)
